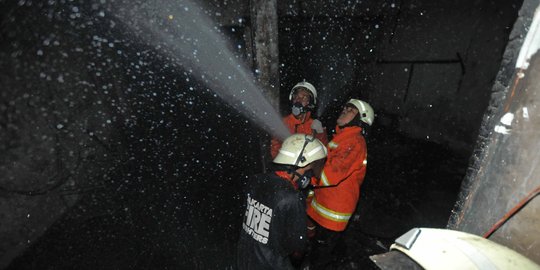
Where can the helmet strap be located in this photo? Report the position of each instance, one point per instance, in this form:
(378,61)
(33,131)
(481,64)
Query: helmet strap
(355,122)
(303,179)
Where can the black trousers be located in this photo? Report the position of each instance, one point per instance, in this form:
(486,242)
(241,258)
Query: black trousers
(325,248)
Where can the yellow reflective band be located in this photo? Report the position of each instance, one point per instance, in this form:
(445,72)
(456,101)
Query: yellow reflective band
(329,214)
(332,145)
(324,179)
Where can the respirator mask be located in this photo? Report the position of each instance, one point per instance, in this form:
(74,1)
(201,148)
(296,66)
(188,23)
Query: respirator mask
(298,109)
(304,180)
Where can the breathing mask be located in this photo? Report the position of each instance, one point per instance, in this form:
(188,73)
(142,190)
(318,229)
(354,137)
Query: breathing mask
(298,109)
(304,180)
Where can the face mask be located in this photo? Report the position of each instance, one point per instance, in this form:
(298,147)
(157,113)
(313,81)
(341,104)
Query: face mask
(298,109)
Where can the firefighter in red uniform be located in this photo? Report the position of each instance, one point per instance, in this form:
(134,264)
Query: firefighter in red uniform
(334,198)
(303,97)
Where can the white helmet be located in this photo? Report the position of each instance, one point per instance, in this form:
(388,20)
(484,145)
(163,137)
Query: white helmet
(300,150)
(367,115)
(448,249)
(307,86)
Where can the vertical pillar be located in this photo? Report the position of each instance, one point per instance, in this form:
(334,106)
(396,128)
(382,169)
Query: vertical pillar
(264,29)
(263,38)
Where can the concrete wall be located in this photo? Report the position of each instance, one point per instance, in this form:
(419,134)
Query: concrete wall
(505,166)
(436,65)
(61,112)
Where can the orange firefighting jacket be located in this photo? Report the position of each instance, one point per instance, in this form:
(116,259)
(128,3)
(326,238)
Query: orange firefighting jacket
(296,126)
(335,199)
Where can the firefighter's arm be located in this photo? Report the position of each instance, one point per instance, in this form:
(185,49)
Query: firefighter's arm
(318,131)
(337,167)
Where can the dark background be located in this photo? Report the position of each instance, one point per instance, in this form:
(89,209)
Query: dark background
(123,160)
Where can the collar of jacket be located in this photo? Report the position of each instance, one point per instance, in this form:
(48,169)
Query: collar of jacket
(348,129)
(299,121)
(286,176)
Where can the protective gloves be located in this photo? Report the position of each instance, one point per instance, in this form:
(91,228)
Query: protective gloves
(317,126)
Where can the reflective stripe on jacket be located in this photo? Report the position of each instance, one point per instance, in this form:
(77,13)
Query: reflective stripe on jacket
(335,199)
(296,126)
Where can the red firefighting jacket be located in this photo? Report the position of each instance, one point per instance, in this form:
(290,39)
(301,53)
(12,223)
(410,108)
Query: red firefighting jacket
(335,199)
(296,126)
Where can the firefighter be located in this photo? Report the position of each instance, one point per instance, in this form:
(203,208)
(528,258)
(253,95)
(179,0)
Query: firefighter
(274,223)
(303,98)
(335,196)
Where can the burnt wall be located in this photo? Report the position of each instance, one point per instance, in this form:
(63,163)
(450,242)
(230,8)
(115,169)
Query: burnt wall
(504,166)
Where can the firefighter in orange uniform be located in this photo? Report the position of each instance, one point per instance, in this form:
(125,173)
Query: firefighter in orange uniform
(303,97)
(336,195)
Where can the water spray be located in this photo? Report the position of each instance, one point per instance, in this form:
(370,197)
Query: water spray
(184,33)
